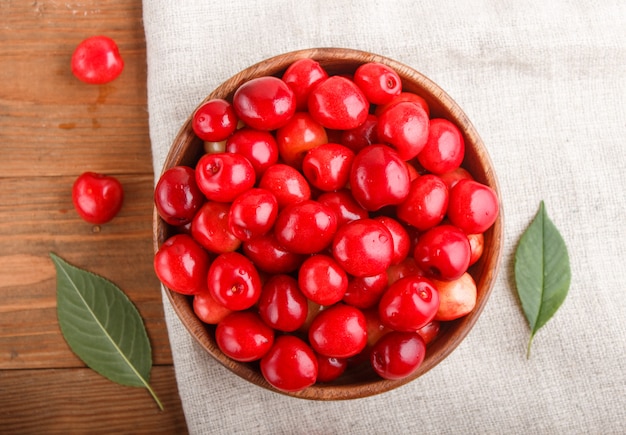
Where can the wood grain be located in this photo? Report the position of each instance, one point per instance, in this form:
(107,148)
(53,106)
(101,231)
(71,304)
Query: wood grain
(52,128)
(81,401)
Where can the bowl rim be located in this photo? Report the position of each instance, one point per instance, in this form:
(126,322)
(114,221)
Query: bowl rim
(487,268)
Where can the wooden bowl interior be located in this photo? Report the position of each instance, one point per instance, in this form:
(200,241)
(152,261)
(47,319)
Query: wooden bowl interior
(361,382)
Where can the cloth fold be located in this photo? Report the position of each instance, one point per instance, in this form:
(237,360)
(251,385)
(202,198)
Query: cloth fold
(543,83)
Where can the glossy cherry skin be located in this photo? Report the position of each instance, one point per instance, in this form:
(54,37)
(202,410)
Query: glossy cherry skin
(259,147)
(224,176)
(405,127)
(270,256)
(243,336)
(327,167)
(426,204)
(306,227)
(339,331)
(264,103)
(403,97)
(338,103)
(177,197)
(181,264)
(473,206)
(97,60)
(210,228)
(430,331)
(409,304)
(454,176)
(363,247)
(322,280)
(379,82)
(300,134)
(477,246)
(282,305)
(343,204)
(445,149)
(359,137)
(365,291)
(290,365)
(97,198)
(399,237)
(214,120)
(379,177)
(234,281)
(457,298)
(398,355)
(302,76)
(208,309)
(286,183)
(252,214)
(330,368)
(443,252)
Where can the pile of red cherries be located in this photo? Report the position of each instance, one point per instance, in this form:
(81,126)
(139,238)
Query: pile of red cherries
(328,223)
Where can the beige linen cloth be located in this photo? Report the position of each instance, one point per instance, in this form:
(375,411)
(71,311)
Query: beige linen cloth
(545,85)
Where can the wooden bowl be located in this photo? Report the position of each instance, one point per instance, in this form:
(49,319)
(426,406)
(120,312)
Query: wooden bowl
(187,148)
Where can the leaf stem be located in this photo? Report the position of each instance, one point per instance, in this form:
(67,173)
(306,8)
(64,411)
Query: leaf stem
(530,342)
(154,396)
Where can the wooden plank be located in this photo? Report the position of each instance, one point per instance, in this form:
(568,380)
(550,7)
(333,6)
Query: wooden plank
(31,226)
(53,124)
(81,401)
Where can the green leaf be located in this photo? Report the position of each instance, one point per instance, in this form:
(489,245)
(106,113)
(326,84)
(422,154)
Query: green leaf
(102,326)
(542,271)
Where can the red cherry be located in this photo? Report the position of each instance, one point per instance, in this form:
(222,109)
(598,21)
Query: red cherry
(208,309)
(379,82)
(302,76)
(443,252)
(259,147)
(426,204)
(363,247)
(243,336)
(339,331)
(97,60)
(379,177)
(234,281)
(473,206)
(343,204)
(405,127)
(290,365)
(300,134)
(359,137)
(327,167)
(330,368)
(452,177)
(365,291)
(264,103)
(252,214)
(224,176)
(430,331)
(210,228)
(322,280)
(96,197)
(409,304)
(176,196)
(282,305)
(286,183)
(214,120)
(399,237)
(270,256)
(306,227)
(338,103)
(403,97)
(181,264)
(397,355)
(445,148)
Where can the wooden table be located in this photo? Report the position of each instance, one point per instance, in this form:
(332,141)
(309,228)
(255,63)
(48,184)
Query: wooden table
(52,128)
